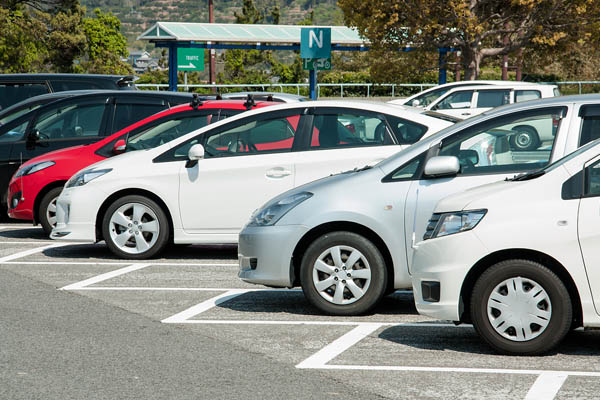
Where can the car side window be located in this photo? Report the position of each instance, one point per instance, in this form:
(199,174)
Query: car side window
(590,123)
(332,130)
(126,114)
(257,136)
(492,98)
(524,95)
(510,143)
(406,132)
(407,172)
(72,120)
(12,93)
(456,100)
(592,180)
(13,132)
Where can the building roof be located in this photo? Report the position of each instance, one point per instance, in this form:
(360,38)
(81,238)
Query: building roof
(243,33)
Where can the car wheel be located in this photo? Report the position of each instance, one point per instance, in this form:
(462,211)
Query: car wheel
(521,307)
(525,138)
(47,209)
(135,227)
(343,273)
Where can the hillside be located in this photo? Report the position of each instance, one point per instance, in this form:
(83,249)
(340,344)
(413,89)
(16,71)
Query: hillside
(138,15)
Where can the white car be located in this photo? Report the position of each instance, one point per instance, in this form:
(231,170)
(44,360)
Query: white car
(348,239)
(518,259)
(201,187)
(427,96)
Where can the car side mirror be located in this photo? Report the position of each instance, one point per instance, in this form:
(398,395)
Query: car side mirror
(416,103)
(195,153)
(119,147)
(442,166)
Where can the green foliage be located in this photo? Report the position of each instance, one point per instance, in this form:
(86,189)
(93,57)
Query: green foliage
(22,47)
(65,39)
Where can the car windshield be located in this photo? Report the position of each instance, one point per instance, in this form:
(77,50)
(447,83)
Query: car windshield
(12,116)
(165,132)
(427,98)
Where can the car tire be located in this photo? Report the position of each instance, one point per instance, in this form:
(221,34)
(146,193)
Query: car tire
(135,227)
(355,289)
(525,138)
(47,209)
(520,307)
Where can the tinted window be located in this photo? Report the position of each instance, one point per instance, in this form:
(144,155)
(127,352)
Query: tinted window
(592,180)
(456,100)
(524,95)
(348,130)
(408,171)
(590,130)
(492,98)
(73,120)
(13,93)
(60,86)
(406,132)
(492,147)
(127,114)
(258,136)
(13,131)
(14,115)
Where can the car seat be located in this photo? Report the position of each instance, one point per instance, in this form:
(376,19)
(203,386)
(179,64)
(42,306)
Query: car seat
(328,131)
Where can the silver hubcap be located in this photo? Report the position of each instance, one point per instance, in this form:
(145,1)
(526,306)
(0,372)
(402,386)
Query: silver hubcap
(51,213)
(341,275)
(523,139)
(134,228)
(519,309)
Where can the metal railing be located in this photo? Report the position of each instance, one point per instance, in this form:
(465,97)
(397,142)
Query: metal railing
(368,86)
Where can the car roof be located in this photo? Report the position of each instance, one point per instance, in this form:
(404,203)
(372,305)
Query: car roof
(46,97)
(33,76)
(498,87)
(285,96)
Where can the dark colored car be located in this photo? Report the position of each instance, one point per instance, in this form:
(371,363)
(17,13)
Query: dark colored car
(17,87)
(32,103)
(73,121)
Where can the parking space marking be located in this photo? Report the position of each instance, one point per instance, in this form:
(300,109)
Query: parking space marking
(338,346)
(183,316)
(546,386)
(25,242)
(104,277)
(120,263)
(29,252)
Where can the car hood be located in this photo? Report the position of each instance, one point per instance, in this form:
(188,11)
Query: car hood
(56,155)
(125,160)
(462,200)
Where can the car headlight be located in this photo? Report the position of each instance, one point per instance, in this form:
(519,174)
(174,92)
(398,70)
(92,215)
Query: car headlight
(444,224)
(84,177)
(32,168)
(272,213)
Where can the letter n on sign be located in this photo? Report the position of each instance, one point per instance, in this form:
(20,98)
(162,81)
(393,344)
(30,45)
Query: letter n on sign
(315,43)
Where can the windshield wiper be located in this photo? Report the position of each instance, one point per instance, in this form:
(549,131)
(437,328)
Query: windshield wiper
(527,176)
(356,169)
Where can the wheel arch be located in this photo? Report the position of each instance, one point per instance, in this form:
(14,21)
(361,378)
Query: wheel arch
(126,192)
(526,254)
(335,226)
(40,196)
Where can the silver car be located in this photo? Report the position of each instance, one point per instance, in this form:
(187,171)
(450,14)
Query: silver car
(348,239)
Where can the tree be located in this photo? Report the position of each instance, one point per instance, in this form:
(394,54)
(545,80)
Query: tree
(65,39)
(105,45)
(22,47)
(478,28)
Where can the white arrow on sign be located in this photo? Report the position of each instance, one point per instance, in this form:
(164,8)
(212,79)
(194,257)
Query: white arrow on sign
(190,65)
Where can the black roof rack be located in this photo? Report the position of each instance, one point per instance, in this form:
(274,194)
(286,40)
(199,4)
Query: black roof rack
(249,102)
(196,102)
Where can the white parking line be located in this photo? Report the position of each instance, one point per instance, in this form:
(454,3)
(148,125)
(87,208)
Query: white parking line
(546,385)
(29,252)
(119,263)
(104,277)
(25,242)
(338,346)
(183,316)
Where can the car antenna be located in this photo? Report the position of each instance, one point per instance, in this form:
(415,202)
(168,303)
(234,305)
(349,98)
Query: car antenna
(196,102)
(249,102)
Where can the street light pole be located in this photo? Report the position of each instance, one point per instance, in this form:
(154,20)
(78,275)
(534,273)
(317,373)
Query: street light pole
(212,72)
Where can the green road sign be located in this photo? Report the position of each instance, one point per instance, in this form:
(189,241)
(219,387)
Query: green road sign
(322,64)
(190,59)
(315,43)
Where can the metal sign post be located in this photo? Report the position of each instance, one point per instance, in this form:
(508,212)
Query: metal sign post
(315,49)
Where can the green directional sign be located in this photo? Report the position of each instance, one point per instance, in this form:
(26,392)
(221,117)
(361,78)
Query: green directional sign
(190,59)
(322,64)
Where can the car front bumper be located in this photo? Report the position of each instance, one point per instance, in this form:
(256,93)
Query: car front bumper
(446,261)
(265,254)
(76,211)
(19,205)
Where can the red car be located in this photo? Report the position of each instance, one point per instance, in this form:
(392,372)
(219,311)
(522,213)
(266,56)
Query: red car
(36,185)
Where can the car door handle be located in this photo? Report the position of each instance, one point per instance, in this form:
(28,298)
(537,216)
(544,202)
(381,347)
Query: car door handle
(278,172)
(465,114)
